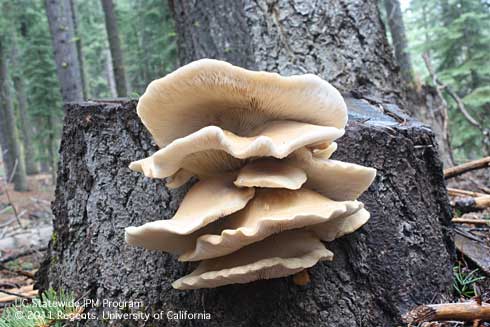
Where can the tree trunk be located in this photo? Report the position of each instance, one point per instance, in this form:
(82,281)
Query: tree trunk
(115,46)
(81,61)
(344,42)
(16,166)
(402,257)
(109,72)
(25,123)
(397,29)
(398,260)
(60,19)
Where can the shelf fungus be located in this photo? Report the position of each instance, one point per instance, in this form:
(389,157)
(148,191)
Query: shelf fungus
(268,193)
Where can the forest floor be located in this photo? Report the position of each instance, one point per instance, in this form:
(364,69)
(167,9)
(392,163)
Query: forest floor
(25,230)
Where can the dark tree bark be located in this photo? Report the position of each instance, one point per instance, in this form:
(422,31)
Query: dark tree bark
(60,20)
(399,259)
(25,122)
(402,257)
(342,41)
(81,61)
(115,46)
(15,166)
(399,38)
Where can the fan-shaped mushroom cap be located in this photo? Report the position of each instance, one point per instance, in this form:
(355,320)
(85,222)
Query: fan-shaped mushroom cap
(270,211)
(277,256)
(333,229)
(270,173)
(275,139)
(211,92)
(336,180)
(207,201)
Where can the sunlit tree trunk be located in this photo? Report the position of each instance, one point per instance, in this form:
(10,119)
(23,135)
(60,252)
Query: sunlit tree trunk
(78,38)
(7,117)
(60,18)
(30,153)
(115,46)
(399,38)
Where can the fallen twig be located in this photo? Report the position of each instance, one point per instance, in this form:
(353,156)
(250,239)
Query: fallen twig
(465,311)
(8,194)
(472,204)
(19,272)
(471,221)
(458,192)
(469,166)
(20,255)
(15,294)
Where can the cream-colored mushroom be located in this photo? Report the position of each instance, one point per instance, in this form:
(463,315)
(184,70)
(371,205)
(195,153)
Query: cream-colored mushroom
(274,139)
(206,202)
(271,211)
(335,179)
(178,179)
(245,133)
(270,173)
(215,93)
(334,229)
(325,153)
(280,255)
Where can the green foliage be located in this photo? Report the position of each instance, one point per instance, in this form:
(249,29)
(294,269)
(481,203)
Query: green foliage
(464,281)
(456,33)
(148,37)
(51,309)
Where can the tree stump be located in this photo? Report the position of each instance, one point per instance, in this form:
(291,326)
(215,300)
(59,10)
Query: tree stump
(401,258)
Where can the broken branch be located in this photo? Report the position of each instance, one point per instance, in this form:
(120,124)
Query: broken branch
(465,311)
(471,221)
(458,192)
(470,204)
(469,166)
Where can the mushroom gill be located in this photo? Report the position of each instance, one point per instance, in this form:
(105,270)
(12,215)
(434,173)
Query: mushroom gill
(207,151)
(280,255)
(268,192)
(271,211)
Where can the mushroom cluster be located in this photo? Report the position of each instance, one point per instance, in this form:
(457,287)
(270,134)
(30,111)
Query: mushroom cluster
(268,193)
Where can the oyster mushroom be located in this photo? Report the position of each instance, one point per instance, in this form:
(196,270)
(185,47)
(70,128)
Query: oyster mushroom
(207,151)
(270,173)
(280,255)
(335,179)
(210,92)
(207,201)
(260,144)
(273,211)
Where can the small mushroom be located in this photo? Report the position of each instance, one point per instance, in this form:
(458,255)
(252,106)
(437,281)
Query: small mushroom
(270,173)
(207,201)
(272,211)
(207,151)
(335,179)
(280,255)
